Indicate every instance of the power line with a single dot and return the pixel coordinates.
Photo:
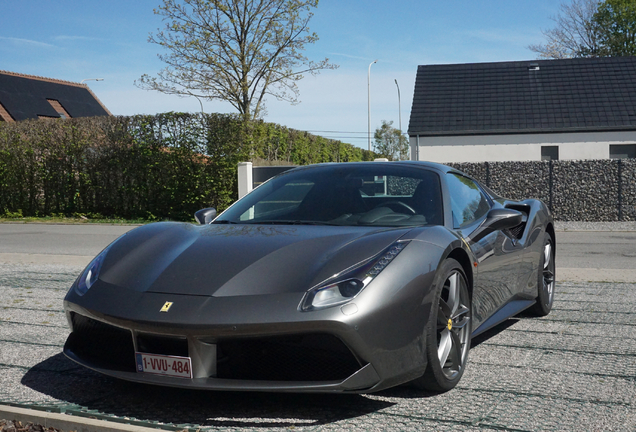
(343, 132)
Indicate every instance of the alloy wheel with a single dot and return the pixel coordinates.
(548, 272)
(453, 325)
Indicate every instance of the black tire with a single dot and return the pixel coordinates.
(545, 279)
(448, 331)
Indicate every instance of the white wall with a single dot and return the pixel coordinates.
(517, 147)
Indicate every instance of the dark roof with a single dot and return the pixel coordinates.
(25, 97)
(597, 94)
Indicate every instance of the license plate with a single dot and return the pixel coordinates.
(164, 365)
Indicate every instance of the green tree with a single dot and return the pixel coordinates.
(237, 51)
(390, 142)
(617, 19)
(591, 28)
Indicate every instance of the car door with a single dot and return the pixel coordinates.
(497, 278)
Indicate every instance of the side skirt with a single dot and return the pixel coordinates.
(509, 310)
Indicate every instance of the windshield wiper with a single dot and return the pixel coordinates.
(224, 222)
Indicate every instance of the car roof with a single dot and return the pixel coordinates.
(419, 164)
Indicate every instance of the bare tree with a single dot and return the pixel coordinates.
(575, 33)
(238, 51)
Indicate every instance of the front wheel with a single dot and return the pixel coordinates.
(448, 330)
(545, 279)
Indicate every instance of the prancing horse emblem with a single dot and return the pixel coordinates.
(166, 307)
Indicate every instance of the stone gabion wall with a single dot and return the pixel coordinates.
(585, 190)
(628, 189)
(579, 190)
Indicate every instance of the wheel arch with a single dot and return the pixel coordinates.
(463, 259)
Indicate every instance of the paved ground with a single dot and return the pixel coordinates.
(573, 370)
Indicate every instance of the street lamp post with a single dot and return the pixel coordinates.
(369, 102)
(399, 106)
(200, 103)
(91, 79)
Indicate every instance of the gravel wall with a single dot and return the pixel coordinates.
(628, 189)
(580, 190)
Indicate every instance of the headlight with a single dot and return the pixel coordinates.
(343, 291)
(90, 274)
(331, 295)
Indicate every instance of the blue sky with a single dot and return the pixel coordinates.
(77, 40)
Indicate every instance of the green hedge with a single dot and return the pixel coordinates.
(162, 166)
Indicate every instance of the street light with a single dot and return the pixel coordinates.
(91, 79)
(369, 103)
(200, 103)
(399, 106)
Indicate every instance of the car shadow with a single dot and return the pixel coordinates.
(494, 331)
(406, 391)
(86, 390)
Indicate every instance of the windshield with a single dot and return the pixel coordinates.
(377, 194)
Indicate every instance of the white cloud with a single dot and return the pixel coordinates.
(19, 41)
(78, 38)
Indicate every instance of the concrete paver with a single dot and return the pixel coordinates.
(571, 370)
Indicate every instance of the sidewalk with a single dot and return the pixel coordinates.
(595, 226)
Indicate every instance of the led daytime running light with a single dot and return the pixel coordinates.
(385, 260)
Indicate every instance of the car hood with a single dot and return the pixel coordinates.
(234, 260)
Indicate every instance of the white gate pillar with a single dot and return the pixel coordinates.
(245, 181)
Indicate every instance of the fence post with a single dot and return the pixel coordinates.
(551, 181)
(620, 190)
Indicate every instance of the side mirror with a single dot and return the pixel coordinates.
(205, 216)
(497, 219)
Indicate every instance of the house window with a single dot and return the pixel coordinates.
(622, 151)
(57, 106)
(549, 153)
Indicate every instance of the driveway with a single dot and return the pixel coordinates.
(572, 370)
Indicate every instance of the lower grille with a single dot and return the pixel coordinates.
(101, 345)
(166, 345)
(318, 357)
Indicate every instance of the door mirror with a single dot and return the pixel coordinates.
(205, 216)
(496, 220)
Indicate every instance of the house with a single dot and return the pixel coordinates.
(30, 97)
(525, 110)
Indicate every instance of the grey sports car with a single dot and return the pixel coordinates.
(349, 277)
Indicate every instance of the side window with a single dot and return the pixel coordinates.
(468, 203)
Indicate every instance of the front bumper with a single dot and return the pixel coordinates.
(313, 362)
(257, 343)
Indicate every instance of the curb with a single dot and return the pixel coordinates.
(66, 422)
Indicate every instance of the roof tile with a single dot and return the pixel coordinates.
(562, 95)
